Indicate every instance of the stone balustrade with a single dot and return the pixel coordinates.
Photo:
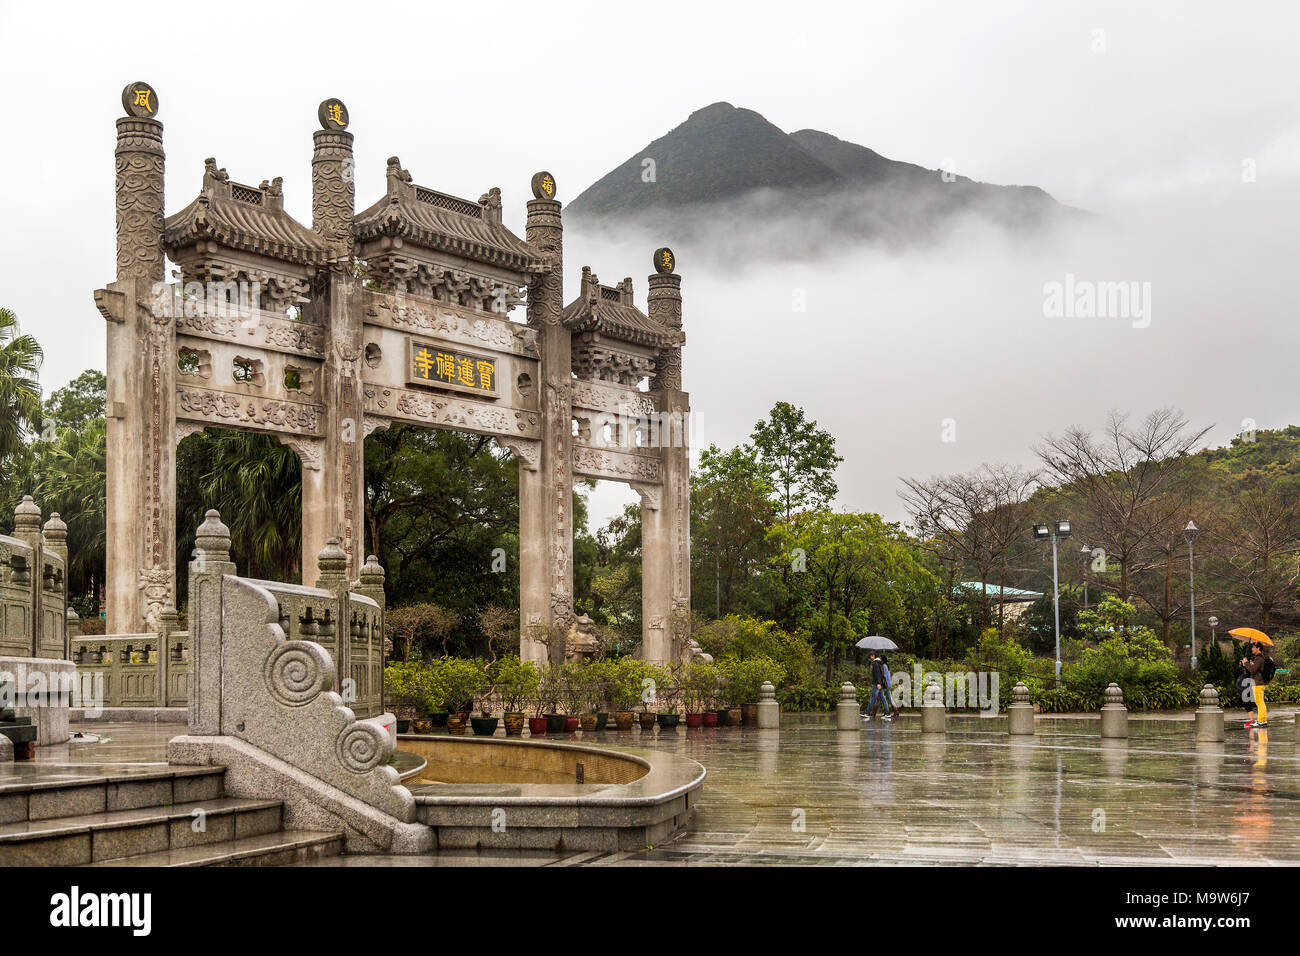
(264, 698)
(134, 670)
(33, 585)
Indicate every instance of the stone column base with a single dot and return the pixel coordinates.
(934, 719)
(42, 689)
(1020, 719)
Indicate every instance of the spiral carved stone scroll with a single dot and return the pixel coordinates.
(297, 672)
(361, 747)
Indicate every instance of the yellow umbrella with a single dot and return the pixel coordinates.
(1250, 634)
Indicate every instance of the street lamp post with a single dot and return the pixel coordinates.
(1085, 558)
(1190, 533)
(1056, 532)
(1214, 622)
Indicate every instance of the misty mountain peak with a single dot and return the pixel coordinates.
(723, 154)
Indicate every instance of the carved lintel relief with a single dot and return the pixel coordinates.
(604, 398)
(444, 411)
(258, 329)
(616, 465)
(224, 408)
(651, 495)
(408, 314)
(373, 424)
(527, 450)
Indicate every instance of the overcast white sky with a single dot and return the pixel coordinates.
(1152, 132)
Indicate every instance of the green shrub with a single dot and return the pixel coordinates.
(743, 678)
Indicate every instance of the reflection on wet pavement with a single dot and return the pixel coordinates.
(885, 794)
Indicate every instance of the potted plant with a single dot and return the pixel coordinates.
(624, 691)
(550, 688)
(397, 684)
(670, 694)
(700, 684)
(461, 680)
(517, 682)
(484, 725)
(743, 680)
(537, 722)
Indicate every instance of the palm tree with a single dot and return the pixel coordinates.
(20, 392)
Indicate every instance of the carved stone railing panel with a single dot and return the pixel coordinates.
(125, 670)
(279, 695)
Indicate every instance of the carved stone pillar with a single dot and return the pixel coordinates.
(27, 529)
(141, 442)
(333, 486)
(666, 546)
(333, 186)
(332, 562)
(211, 562)
(546, 495)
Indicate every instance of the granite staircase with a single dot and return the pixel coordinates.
(171, 816)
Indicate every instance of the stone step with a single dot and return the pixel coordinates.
(113, 834)
(35, 792)
(282, 848)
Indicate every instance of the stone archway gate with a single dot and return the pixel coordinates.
(277, 328)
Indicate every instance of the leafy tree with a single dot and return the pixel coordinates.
(20, 392)
(731, 512)
(800, 458)
(856, 569)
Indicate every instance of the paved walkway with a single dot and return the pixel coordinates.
(886, 794)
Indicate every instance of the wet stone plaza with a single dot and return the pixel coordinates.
(808, 794)
(886, 794)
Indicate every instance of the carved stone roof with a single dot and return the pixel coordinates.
(609, 310)
(243, 217)
(435, 220)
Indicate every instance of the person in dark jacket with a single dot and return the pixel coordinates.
(877, 685)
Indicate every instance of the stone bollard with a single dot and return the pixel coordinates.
(1020, 715)
(1209, 716)
(846, 711)
(934, 718)
(769, 711)
(1114, 715)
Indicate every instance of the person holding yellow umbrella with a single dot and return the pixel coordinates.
(1259, 666)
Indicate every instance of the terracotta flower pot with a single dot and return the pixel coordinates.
(695, 720)
(537, 726)
(733, 717)
(455, 725)
(710, 718)
(749, 714)
(571, 724)
(647, 719)
(515, 724)
(623, 719)
(422, 725)
(587, 722)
